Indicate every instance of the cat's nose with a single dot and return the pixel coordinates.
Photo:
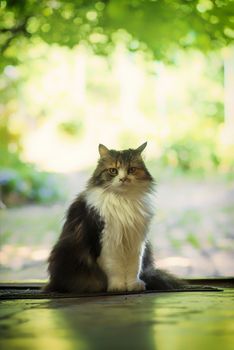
(123, 179)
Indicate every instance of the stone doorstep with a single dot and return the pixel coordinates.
(227, 282)
(32, 290)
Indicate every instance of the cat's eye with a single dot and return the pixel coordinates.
(113, 171)
(132, 170)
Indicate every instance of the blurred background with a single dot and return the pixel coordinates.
(74, 74)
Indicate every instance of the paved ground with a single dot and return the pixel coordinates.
(193, 230)
(164, 321)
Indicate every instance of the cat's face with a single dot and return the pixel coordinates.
(121, 171)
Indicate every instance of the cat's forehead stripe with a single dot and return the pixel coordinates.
(122, 159)
(125, 156)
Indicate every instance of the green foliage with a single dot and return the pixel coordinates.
(186, 154)
(176, 243)
(21, 182)
(73, 128)
(193, 240)
(158, 26)
(193, 151)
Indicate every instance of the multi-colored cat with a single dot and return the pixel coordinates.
(103, 245)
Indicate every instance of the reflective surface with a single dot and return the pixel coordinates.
(155, 321)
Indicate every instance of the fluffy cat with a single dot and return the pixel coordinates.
(103, 245)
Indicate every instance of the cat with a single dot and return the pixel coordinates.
(103, 245)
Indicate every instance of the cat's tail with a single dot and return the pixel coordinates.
(156, 279)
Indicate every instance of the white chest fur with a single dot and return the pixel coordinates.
(126, 220)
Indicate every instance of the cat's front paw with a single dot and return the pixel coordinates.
(116, 286)
(136, 286)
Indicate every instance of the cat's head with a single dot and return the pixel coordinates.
(121, 171)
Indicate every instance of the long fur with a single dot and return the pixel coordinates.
(103, 245)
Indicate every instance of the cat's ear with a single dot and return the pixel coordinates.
(141, 148)
(103, 150)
